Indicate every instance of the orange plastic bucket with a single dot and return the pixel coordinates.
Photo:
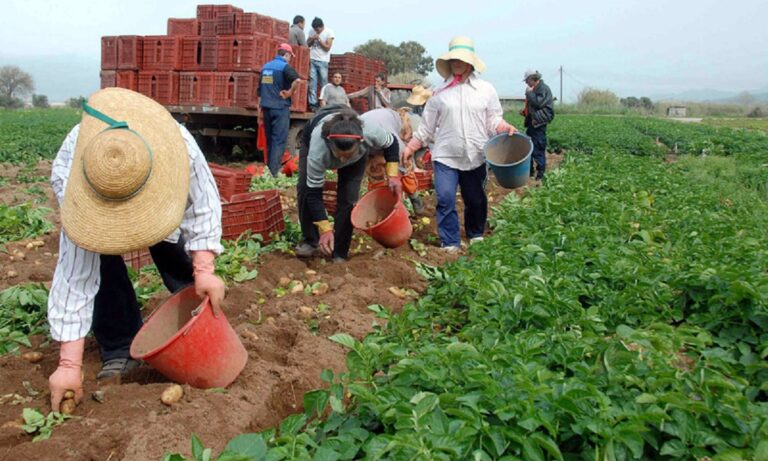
(187, 344)
(382, 215)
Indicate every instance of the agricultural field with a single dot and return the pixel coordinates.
(742, 122)
(617, 311)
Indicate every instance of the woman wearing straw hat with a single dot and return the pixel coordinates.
(418, 98)
(462, 114)
(127, 177)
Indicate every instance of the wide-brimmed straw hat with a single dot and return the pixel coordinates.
(463, 49)
(129, 182)
(419, 95)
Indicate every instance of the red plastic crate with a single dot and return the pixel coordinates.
(423, 180)
(108, 78)
(265, 25)
(246, 86)
(162, 86)
(183, 27)
(108, 53)
(199, 53)
(128, 79)
(207, 27)
(162, 52)
(241, 52)
(301, 61)
(138, 259)
(280, 30)
(223, 89)
(329, 196)
(248, 24)
(130, 50)
(258, 212)
(213, 11)
(230, 181)
(196, 88)
(225, 24)
(299, 98)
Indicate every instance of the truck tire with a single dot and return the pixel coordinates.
(294, 136)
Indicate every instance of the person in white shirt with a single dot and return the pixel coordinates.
(462, 114)
(127, 177)
(320, 41)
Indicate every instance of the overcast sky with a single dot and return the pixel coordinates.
(632, 47)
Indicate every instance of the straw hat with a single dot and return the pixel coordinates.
(463, 49)
(129, 182)
(419, 95)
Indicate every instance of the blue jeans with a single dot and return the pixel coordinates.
(276, 124)
(316, 68)
(473, 195)
(539, 138)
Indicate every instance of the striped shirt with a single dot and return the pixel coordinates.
(460, 120)
(76, 279)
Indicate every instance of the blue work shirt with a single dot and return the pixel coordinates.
(276, 75)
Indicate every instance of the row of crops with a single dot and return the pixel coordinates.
(617, 313)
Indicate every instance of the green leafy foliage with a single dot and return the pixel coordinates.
(23, 221)
(23, 311)
(27, 136)
(40, 425)
(268, 182)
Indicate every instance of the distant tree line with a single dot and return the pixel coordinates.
(408, 57)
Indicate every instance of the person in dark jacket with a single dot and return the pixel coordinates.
(276, 86)
(539, 111)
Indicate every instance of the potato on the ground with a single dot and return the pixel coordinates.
(32, 357)
(172, 394)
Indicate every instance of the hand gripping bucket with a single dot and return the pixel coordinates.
(187, 344)
(510, 159)
(382, 215)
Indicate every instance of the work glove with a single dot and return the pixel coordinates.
(326, 242)
(206, 283)
(68, 376)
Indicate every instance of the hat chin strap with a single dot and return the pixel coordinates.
(115, 125)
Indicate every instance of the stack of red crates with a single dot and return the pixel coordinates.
(213, 59)
(258, 212)
(358, 72)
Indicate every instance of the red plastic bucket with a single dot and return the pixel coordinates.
(382, 216)
(187, 344)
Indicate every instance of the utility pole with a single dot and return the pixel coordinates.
(561, 84)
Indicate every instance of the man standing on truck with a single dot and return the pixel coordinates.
(296, 33)
(539, 110)
(277, 83)
(333, 93)
(320, 41)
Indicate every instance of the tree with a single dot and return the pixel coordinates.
(75, 103)
(598, 98)
(407, 57)
(630, 102)
(646, 103)
(40, 100)
(15, 83)
(10, 103)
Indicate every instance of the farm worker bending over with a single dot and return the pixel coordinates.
(403, 123)
(463, 113)
(336, 138)
(127, 177)
(277, 84)
(539, 110)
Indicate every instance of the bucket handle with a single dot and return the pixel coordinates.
(197, 311)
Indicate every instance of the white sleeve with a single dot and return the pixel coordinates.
(494, 114)
(201, 225)
(73, 290)
(322, 91)
(62, 164)
(426, 131)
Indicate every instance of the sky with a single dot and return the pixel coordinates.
(655, 48)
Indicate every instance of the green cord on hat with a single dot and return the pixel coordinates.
(465, 47)
(114, 125)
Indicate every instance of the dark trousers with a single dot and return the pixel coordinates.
(347, 193)
(276, 124)
(539, 138)
(116, 312)
(447, 179)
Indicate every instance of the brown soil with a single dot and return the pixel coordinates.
(285, 336)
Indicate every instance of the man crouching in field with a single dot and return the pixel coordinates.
(127, 177)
